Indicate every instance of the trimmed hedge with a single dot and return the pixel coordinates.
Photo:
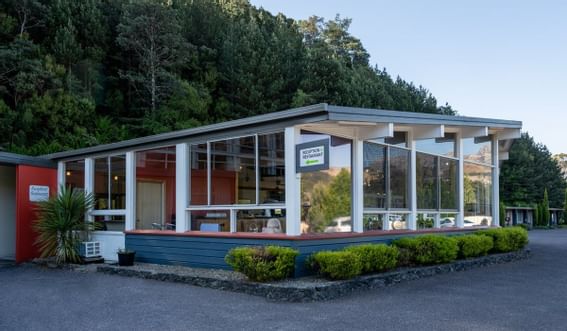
(376, 257)
(473, 246)
(429, 249)
(336, 264)
(506, 239)
(263, 264)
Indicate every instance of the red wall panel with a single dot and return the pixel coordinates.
(26, 210)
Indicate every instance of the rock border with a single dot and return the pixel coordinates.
(307, 289)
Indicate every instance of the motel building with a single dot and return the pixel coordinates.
(312, 178)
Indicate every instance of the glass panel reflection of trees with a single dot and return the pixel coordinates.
(386, 169)
(478, 194)
(326, 194)
(427, 181)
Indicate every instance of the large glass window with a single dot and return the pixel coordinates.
(478, 194)
(199, 175)
(155, 189)
(440, 146)
(374, 176)
(110, 182)
(426, 181)
(385, 166)
(233, 171)
(478, 149)
(326, 195)
(272, 168)
(75, 174)
(399, 178)
(448, 179)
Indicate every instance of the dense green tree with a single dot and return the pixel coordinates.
(528, 173)
(152, 66)
(151, 33)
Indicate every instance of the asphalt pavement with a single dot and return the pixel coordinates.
(523, 295)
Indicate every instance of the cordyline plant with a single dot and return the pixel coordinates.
(61, 224)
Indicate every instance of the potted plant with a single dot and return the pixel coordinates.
(126, 257)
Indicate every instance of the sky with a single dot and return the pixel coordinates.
(486, 58)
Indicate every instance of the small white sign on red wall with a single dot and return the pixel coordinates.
(39, 193)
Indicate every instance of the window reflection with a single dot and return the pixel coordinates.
(199, 174)
(110, 182)
(326, 195)
(374, 175)
(478, 149)
(448, 171)
(75, 174)
(444, 146)
(233, 171)
(478, 194)
(399, 178)
(272, 168)
(427, 184)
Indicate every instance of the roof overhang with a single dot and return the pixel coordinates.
(12, 159)
(361, 122)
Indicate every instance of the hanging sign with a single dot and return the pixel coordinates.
(312, 156)
(39, 193)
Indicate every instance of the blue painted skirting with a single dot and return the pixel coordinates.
(209, 252)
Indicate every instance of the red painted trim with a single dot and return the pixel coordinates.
(278, 236)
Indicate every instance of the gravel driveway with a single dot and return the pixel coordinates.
(524, 295)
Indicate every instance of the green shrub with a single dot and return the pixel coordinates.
(375, 257)
(473, 246)
(263, 264)
(336, 264)
(430, 249)
(506, 239)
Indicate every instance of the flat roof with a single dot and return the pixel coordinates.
(17, 159)
(308, 114)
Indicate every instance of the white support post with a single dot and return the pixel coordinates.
(292, 184)
(437, 221)
(495, 183)
(412, 217)
(357, 186)
(130, 223)
(182, 186)
(386, 222)
(461, 182)
(61, 171)
(233, 225)
(89, 182)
